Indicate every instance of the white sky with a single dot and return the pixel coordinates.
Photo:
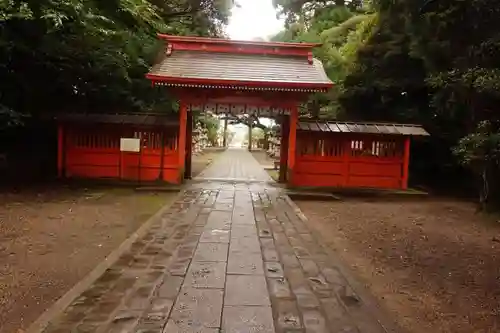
(254, 18)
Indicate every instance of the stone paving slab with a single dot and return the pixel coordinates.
(211, 252)
(225, 257)
(245, 263)
(215, 236)
(247, 319)
(198, 308)
(206, 275)
(246, 290)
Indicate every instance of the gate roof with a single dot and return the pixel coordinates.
(198, 62)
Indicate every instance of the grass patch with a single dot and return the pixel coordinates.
(274, 174)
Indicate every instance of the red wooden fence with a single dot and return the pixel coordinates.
(94, 152)
(350, 160)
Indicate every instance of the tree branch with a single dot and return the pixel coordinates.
(246, 120)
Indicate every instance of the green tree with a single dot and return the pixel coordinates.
(301, 10)
(70, 55)
(212, 124)
(480, 151)
(384, 82)
(332, 24)
(418, 65)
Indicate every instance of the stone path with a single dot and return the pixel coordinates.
(226, 257)
(235, 165)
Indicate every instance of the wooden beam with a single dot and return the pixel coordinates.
(255, 50)
(226, 96)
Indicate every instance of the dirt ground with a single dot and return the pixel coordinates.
(433, 264)
(50, 238)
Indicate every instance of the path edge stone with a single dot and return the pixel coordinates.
(64, 301)
(379, 314)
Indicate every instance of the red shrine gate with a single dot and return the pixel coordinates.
(238, 77)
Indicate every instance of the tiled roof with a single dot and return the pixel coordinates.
(241, 70)
(372, 128)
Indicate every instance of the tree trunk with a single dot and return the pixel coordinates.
(249, 137)
(266, 141)
(224, 139)
(484, 189)
(315, 109)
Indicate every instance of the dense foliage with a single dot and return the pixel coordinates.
(433, 62)
(70, 55)
(333, 24)
(59, 56)
(212, 124)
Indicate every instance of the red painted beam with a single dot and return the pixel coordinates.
(243, 49)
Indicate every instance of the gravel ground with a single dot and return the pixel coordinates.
(434, 264)
(51, 238)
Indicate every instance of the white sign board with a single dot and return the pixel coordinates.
(130, 144)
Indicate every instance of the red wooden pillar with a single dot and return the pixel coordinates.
(60, 151)
(292, 142)
(406, 164)
(182, 139)
(189, 145)
(285, 130)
